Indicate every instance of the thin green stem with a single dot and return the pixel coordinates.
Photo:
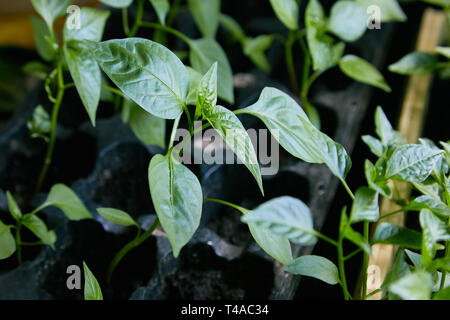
(174, 132)
(130, 246)
(167, 29)
(229, 204)
(341, 267)
(114, 90)
(347, 188)
(373, 293)
(392, 213)
(18, 244)
(125, 24)
(365, 262)
(290, 61)
(351, 255)
(138, 20)
(444, 272)
(54, 121)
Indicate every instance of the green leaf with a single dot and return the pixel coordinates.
(415, 258)
(357, 239)
(7, 241)
(204, 52)
(194, 80)
(384, 130)
(372, 177)
(92, 24)
(433, 231)
(230, 128)
(348, 20)
(206, 16)
(362, 71)
(287, 217)
(390, 10)
(62, 197)
(86, 75)
(117, 3)
(254, 48)
(391, 234)
(441, 264)
(399, 269)
(418, 63)
(412, 162)
(444, 51)
(161, 7)
(315, 266)
(290, 126)
(14, 209)
(287, 12)
(44, 44)
(325, 54)
(233, 27)
(147, 72)
(92, 290)
(147, 128)
(207, 92)
(38, 227)
(430, 203)
(117, 216)
(414, 286)
(365, 206)
(428, 187)
(177, 197)
(442, 3)
(374, 145)
(37, 69)
(50, 10)
(443, 294)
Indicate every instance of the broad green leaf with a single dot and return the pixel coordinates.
(415, 258)
(117, 216)
(254, 48)
(365, 206)
(415, 63)
(387, 233)
(428, 187)
(315, 266)
(384, 130)
(86, 75)
(206, 16)
(117, 3)
(289, 124)
(430, 203)
(7, 241)
(37, 69)
(390, 10)
(64, 198)
(204, 52)
(441, 264)
(14, 209)
(287, 12)
(287, 217)
(441, 167)
(44, 44)
(443, 294)
(233, 27)
(161, 7)
(38, 227)
(324, 52)
(372, 177)
(374, 145)
(348, 20)
(207, 92)
(433, 230)
(399, 269)
(50, 10)
(447, 151)
(414, 286)
(362, 71)
(147, 72)
(147, 128)
(346, 230)
(230, 128)
(194, 80)
(92, 290)
(177, 198)
(444, 51)
(92, 24)
(412, 162)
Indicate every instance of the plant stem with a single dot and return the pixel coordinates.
(347, 188)
(54, 121)
(138, 21)
(290, 61)
(128, 247)
(341, 266)
(170, 30)
(174, 131)
(18, 244)
(351, 255)
(391, 213)
(444, 272)
(125, 24)
(365, 262)
(114, 90)
(229, 204)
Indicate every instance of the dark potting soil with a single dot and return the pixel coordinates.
(204, 275)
